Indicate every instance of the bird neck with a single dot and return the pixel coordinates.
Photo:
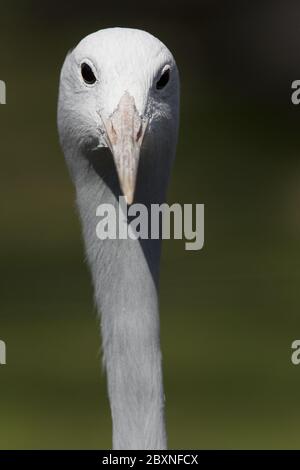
(125, 276)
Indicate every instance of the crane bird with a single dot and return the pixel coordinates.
(118, 120)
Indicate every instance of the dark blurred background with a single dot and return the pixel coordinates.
(230, 312)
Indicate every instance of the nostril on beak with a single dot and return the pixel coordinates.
(139, 132)
(143, 123)
(112, 133)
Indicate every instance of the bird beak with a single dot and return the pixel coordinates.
(125, 131)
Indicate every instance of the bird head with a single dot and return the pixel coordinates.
(119, 88)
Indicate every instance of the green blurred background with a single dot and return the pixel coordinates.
(230, 312)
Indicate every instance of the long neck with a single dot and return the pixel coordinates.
(125, 276)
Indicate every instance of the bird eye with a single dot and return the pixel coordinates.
(87, 74)
(161, 83)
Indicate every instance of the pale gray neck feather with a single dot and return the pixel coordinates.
(125, 276)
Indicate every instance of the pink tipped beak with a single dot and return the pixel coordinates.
(125, 131)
